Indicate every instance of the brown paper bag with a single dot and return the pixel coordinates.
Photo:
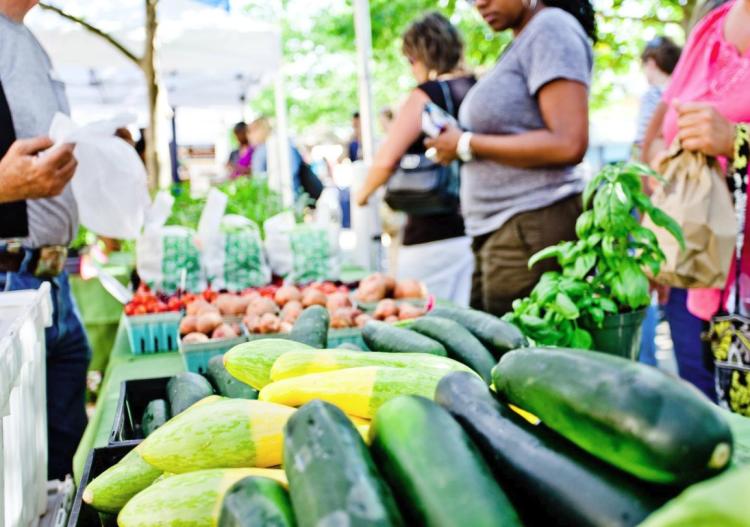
(696, 195)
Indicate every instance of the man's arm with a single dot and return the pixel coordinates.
(24, 175)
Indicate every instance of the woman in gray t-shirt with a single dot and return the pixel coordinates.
(525, 129)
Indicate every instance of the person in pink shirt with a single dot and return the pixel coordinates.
(707, 97)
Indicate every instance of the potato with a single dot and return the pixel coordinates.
(390, 286)
(343, 317)
(409, 289)
(361, 320)
(194, 338)
(226, 303)
(286, 294)
(188, 324)
(337, 300)
(391, 320)
(252, 323)
(208, 308)
(195, 306)
(372, 288)
(385, 308)
(291, 311)
(241, 303)
(261, 306)
(207, 322)
(286, 327)
(407, 311)
(312, 297)
(270, 323)
(223, 331)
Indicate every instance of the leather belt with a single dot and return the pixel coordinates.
(45, 262)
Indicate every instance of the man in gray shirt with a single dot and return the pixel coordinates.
(34, 94)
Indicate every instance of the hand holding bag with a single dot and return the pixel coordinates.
(729, 335)
(422, 187)
(696, 196)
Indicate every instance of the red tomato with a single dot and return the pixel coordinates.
(174, 304)
(140, 310)
(130, 310)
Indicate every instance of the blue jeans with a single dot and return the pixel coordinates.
(68, 355)
(690, 351)
(648, 344)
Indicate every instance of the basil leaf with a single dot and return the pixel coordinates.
(608, 305)
(554, 251)
(584, 223)
(583, 265)
(581, 339)
(634, 285)
(662, 219)
(566, 307)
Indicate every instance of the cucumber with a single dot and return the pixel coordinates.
(225, 384)
(229, 433)
(635, 417)
(460, 343)
(380, 336)
(111, 490)
(187, 500)
(437, 474)
(497, 335)
(155, 414)
(332, 478)
(350, 346)
(311, 327)
(549, 480)
(185, 389)
(254, 502)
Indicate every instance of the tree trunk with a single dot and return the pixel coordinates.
(152, 82)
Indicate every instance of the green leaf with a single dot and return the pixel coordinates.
(581, 339)
(566, 307)
(597, 315)
(612, 206)
(592, 187)
(574, 288)
(584, 223)
(634, 285)
(583, 265)
(662, 219)
(533, 322)
(593, 240)
(554, 251)
(608, 305)
(545, 291)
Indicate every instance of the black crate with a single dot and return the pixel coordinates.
(99, 460)
(134, 396)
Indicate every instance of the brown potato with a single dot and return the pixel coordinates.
(270, 323)
(188, 324)
(409, 289)
(407, 311)
(385, 308)
(195, 306)
(194, 338)
(372, 288)
(252, 323)
(336, 301)
(226, 303)
(312, 297)
(207, 322)
(291, 311)
(391, 320)
(223, 331)
(343, 318)
(286, 327)
(286, 294)
(361, 320)
(261, 306)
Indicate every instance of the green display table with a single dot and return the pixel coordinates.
(99, 310)
(123, 365)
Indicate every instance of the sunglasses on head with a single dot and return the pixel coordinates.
(655, 43)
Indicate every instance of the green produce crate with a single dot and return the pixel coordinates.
(337, 337)
(154, 333)
(134, 397)
(196, 356)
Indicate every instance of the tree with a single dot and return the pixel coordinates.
(320, 55)
(147, 64)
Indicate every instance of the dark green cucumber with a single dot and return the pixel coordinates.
(332, 478)
(349, 346)
(635, 417)
(155, 415)
(255, 502)
(225, 384)
(437, 474)
(498, 336)
(380, 336)
(549, 480)
(460, 343)
(185, 389)
(311, 327)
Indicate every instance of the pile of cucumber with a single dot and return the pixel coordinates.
(452, 422)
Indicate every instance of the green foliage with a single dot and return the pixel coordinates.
(319, 49)
(603, 271)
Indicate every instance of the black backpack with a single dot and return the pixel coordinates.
(14, 221)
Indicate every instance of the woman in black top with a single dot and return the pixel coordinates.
(436, 249)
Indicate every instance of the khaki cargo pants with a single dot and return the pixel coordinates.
(501, 273)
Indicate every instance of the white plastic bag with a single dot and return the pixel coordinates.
(278, 245)
(110, 184)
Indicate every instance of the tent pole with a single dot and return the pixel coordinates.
(366, 221)
(282, 122)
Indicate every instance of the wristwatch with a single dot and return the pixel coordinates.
(463, 149)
